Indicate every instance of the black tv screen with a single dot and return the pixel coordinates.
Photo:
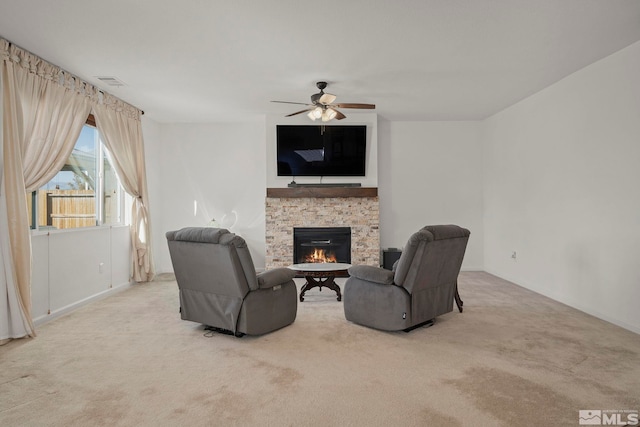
(321, 150)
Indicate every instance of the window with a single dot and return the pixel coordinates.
(85, 193)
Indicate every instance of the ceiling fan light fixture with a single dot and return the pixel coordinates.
(311, 115)
(329, 114)
(327, 98)
(317, 112)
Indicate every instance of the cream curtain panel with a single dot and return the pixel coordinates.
(14, 322)
(121, 130)
(43, 111)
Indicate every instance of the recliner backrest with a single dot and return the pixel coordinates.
(212, 258)
(432, 257)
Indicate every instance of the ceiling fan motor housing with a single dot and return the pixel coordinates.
(321, 98)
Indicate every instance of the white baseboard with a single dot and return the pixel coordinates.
(69, 308)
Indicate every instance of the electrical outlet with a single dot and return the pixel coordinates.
(101, 267)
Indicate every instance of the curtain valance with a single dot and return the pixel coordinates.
(45, 70)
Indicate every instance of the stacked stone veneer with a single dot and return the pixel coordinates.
(359, 213)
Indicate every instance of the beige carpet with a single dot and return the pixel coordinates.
(513, 358)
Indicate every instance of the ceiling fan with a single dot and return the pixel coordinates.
(322, 106)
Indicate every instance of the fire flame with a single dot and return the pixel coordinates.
(319, 255)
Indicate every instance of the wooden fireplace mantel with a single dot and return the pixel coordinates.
(297, 192)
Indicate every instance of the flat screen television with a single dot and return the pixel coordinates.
(321, 150)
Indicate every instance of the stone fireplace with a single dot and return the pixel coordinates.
(319, 207)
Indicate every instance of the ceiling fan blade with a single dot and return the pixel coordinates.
(299, 112)
(352, 105)
(339, 115)
(287, 102)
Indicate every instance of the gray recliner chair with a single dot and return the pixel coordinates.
(422, 285)
(219, 287)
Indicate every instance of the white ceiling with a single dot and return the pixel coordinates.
(212, 60)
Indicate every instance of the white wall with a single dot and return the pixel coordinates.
(72, 267)
(561, 181)
(427, 173)
(221, 168)
(430, 173)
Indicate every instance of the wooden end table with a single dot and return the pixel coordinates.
(319, 275)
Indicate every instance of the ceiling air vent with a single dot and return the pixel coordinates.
(111, 81)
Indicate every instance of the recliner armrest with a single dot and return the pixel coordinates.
(372, 274)
(274, 277)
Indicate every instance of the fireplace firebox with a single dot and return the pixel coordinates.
(321, 244)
